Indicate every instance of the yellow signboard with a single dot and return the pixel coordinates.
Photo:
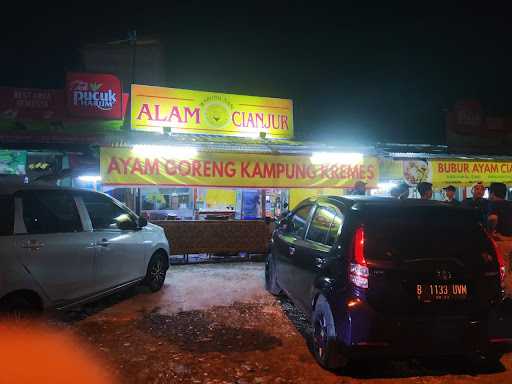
(459, 172)
(130, 167)
(157, 109)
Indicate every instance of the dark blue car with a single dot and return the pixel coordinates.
(387, 277)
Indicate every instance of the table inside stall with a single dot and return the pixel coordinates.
(216, 236)
(216, 214)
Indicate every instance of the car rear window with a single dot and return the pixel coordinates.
(7, 216)
(413, 232)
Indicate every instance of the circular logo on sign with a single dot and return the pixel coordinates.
(416, 171)
(216, 114)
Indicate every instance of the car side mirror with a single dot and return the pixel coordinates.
(142, 222)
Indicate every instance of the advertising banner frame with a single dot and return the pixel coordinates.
(160, 109)
(469, 172)
(121, 167)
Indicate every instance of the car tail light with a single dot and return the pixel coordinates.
(358, 268)
(500, 259)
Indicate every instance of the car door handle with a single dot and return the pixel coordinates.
(33, 245)
(291, 251)
(103, 243)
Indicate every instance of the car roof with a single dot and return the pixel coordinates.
(360, 202)
(11, 189)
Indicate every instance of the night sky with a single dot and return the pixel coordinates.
(356, 74)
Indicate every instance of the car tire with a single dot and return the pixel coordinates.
(325, 344)
(157, 269)
(493, 358)
(486, 361)
(18, 307)
(271, 283)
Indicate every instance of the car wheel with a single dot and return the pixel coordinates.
(486, 361)
(325, 345)
(493, 358)
(18, 307)
(155, 275)
(271, 277)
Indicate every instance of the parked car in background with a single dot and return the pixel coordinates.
(387, 277)
(60, 247)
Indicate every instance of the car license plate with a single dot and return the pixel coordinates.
(427, 293)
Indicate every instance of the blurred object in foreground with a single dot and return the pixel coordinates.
(36, 354)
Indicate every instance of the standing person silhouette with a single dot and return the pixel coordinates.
(499, 221)
(477, 201)
(359, 188)
(425, 190)
(449, 192)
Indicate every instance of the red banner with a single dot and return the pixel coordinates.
(94, 95)
(468, 128)
(31, 104)
(469, 117)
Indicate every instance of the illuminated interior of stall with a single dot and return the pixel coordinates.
(217, 198)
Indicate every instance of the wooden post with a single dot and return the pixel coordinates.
(194, 206)
(263, 204)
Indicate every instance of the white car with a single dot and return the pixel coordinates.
(60, 247)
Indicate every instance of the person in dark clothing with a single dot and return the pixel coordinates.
(500, 227)
(500, 210)
(478, 201)
(395, 192)
(400, 192)
(285, 211)
(359, 188)
(403, 189)
(425, 190)
(449, 192)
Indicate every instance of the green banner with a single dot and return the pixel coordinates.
(12, 162)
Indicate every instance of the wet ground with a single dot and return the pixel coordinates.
(215, 323)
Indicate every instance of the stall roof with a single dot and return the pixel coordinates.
(282, 146)
(64, 141)
(428, 151)
(241, 144)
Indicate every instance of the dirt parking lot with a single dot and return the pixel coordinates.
(215, 323)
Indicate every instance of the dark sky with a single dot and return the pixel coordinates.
(356, 74)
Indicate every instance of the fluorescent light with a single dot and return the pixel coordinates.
(176, 152)
(89, 179)
(336, 158)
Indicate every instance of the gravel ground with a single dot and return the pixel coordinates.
(215, 323)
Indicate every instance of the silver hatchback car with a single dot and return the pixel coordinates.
(60, 247)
